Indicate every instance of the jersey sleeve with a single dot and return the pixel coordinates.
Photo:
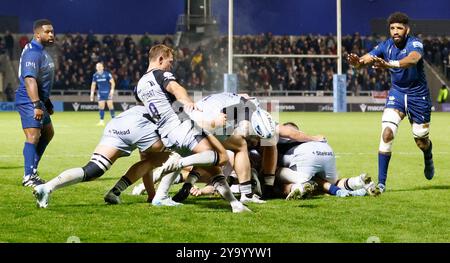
(377, 51)
(415, 45)
(109, 76)
(163, 78)
(30, 64)
(94, 79)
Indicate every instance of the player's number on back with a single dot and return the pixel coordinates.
(154, 112)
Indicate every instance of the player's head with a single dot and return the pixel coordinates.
(99, 67)
(263, 124)
(398, 27)
(43, 32)
(161, 56)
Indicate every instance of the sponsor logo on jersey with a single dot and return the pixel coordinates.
(30, 64)
(417, 44)
(320, 153)
(169, 75)
(118, 132)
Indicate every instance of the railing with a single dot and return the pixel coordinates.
(275, 93)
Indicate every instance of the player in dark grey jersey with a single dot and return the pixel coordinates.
(165, 101)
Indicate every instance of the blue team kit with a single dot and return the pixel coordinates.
(103, 84)
(35, 62)
(409, 93)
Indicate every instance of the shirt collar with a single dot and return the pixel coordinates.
(37, 44)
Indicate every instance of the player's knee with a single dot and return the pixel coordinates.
(388, 135)
(33, 137)
(389, 126)
(387, 138)
(96, 167)
(420, 131)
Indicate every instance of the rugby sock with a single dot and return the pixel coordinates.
(268, 189)
(206, 158)
(246, 189)
(383, 164)
(269, 179)
(112, 113)
(66, 178)
(163, 189)
(29, 154)
(353, 183)
(179, 179)
(428, 154)
(102, 114)
(333, 189)
(221, 186)
(40, 149)
(192, 177)
(121, 185)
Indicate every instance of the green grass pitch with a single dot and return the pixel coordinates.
(412, 210)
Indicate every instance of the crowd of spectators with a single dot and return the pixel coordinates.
(202, 68)
(124, 58)
(437, 52)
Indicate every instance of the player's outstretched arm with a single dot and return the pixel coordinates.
(359, 62)
(406, 62)
(182, 96)
(286, 131)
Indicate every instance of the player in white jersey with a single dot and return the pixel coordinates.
(268, 155)
(236, 110)
(315, 161)
(165, 101)
(129, 130)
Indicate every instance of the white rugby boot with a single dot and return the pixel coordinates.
(42, 195)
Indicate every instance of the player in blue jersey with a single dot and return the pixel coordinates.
(402, 55)
(36, 72)
(105, 84)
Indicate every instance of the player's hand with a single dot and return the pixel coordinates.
(221, 120)
(353, 59)
(38, 114)
(320, 138)
(188, 107)
(195, 191)
(245, 96)
(92, 98)
(49, 106)
(379, 63)
(111, 95)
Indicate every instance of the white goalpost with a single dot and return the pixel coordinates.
(339, 79)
